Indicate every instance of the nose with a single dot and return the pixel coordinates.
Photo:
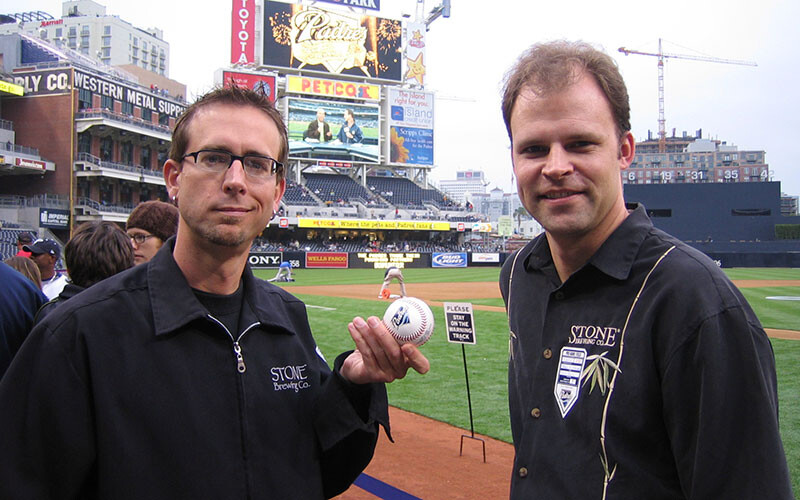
(235, 178)
(558, 163)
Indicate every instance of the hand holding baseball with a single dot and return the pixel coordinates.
(378, 357)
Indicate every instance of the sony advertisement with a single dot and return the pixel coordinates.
(341, 43)
(337, 131)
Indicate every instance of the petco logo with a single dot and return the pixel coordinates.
(450, 260)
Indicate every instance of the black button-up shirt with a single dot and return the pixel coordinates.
(645, 375)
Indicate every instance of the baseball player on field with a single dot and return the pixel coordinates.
(636, 368)
(392, 273)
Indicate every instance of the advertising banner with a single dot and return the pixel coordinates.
(404, 225)
(255, 81)
(243, 32)
(123, 93)
(414, 62)
(313, 39)
(51, 82)
(330, 140)
(326, 259)
(364, 4)
(54, 218)
(10, 88)
(32, 164)
(410, 124)
(383, 260)
(332, 88)
(451, 259)
(264, 260)
(493, 258)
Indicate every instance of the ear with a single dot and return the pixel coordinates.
(627, 150)
(172, 177)
(280, 188)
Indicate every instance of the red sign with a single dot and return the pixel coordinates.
(326, 259)
(461, 227)
(24, 162)
(251, 81)
(243, 29)
(283, 222)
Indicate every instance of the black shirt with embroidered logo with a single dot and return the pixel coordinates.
(644, 375)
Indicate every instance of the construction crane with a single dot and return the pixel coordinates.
(661, 55)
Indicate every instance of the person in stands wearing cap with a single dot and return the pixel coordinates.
(98, 249)
(23, 238)
(45, 253)
(151, 224)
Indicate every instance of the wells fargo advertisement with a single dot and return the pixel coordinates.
(326, 259)
(310, 38)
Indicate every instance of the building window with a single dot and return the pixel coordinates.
(106, 30)
(84, 142)
(59, 32)
(127, 108)
(73, 32)
(85, 29)
(135, 42)
(147, 115)
(107, 102)
(146, 160)
(106, 41)
(163, 119)
(126, 153)
(84, 99)
(107, 149)
(84, 40)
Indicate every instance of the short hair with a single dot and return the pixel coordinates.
(156, 217)
(350, 112)
(97, 250)
(236, 95)
(25, 238)
(27, 267)
(551, 66)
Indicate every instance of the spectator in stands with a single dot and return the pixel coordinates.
(187, 376)
(149, 225)
(19, 301)
(350, 133)
(27, 267)
(23, 238)
(97, 250)
(319, 129)
(45, 253)
(392, 273)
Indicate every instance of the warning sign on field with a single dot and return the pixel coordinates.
(459, 322)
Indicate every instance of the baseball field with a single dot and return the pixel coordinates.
(430, 413)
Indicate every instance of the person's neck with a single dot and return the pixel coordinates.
(570, 252)
(49, 276)
(210, 267)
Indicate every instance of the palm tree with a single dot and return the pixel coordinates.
(519, 213)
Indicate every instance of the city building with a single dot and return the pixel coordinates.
(85, 27)
(82, 142)
(789, 204)
(466, 183)
(692, 159)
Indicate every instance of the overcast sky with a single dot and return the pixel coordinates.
(467, 55)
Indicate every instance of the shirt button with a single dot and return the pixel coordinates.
(559, 295)
(547, 353)
(523, 472)
(536, 413)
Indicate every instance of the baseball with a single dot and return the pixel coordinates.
(409, 320)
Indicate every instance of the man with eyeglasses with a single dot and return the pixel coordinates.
(187, 377)
(149, 225)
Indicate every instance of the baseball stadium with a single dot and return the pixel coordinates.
(83, 141)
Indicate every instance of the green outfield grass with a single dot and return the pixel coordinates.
(441, 394)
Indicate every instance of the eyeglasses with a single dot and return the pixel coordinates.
(255, 166)
(140, 238)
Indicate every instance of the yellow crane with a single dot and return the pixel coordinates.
(661, 55)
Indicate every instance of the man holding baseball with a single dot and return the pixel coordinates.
(636, 368)
(187, 377)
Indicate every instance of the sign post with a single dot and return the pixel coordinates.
(461, 330)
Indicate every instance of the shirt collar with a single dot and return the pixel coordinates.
(616, 255)
(175, 304)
